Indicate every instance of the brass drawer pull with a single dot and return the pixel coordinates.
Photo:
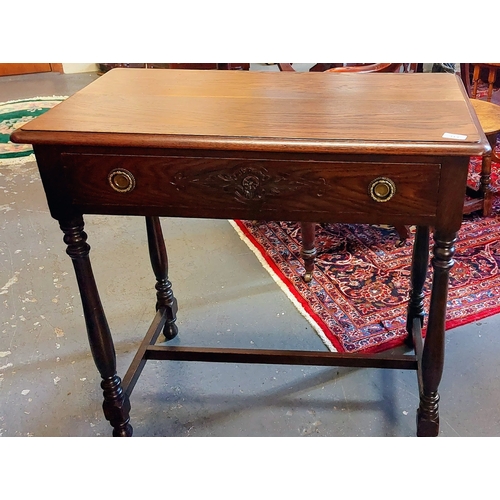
(382, 189)
(121, 180)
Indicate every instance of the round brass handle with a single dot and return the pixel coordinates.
(121, 180)
(382, 189)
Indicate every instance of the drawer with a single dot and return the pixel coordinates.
(252, 188)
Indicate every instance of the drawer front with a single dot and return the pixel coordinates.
(252, 188)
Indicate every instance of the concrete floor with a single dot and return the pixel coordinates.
(50, 386)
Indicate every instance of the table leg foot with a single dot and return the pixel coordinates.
(428, 416)
(308, 277)
(116, 407)
(125, 432)
(170, 331)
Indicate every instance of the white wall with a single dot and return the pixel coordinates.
(79, 67)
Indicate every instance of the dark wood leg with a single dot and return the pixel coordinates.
(420, 264)
(485, 187)
(433, 355)
(116, 404)
(403, 233)
(159, 261)
(308, 251)
(491, 80)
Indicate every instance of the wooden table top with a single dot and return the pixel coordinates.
(266, 111)
(489, 113)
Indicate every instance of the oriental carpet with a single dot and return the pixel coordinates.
(357, 299)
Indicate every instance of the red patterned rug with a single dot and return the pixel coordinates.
(357, 299)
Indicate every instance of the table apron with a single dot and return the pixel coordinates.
(247, 188)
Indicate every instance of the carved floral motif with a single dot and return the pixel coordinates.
(251, 183)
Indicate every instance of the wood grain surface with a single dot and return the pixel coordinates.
(322, 112)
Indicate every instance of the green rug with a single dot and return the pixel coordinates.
(14, 114)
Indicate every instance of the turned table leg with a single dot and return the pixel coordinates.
(116, 404)
(159, 262)
(308, 251)
(433, 354)
(485, 181)
(420, 263)
(484, 187)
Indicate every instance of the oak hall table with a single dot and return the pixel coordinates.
(314, 147)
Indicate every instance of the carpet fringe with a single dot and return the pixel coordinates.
(282, 286)
(42, 98)
(17, 161)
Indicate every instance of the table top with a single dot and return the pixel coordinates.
(266, 111)
(490, 115)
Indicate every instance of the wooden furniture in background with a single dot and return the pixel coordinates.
(11, 69)
(492, 69)
(488, 113)
(268, 146)
(357, 67)
(221, 66)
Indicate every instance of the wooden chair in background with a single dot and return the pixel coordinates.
(488, 114)
(478, 68)
(357, 67)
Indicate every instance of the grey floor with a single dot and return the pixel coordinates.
(49, 385)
